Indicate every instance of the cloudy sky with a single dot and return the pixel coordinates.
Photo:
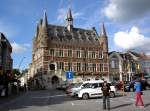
(127, 22)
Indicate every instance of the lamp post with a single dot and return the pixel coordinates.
(19, 71)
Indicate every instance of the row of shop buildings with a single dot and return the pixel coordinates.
(5, 64)
(57, 49)
(128, 65)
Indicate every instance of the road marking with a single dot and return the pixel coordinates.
(58, 95)
(77, 104)
(72, 104)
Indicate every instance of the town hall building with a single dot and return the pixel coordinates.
(57, 49)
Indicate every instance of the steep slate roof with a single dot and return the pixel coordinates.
(119, 53)
(141, 56)
(61, 33)
(122, 55)
(135, 54)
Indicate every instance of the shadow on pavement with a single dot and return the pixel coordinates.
(36, 99)
(146, 105)
(122, 105)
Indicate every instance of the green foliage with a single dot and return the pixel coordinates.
(24, 71)
(75, 74)
(16, 72)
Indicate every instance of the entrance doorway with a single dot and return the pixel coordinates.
(55, 81)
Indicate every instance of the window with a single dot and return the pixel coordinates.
(51, 52)
(85, 54)
(69, 66)
(78, 66)
(93, 55)
(94, 67)
(88, 85)
(61, 53)
(101, 54)
(90, 67)
(101, 68)
(78, 54)
(60, 65)
(89, 54)
(112, 64)
(95, 85)
(69, 53)
(56, 52)
(85, 67)
(52, 66)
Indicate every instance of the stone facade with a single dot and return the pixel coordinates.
(122, 66)
(126, 66)
(143, 61)
(57, 49)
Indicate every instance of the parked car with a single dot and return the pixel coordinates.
(94, 90)
(145, 84)
(62, 87)
(77, 86)
(130, 86)
(69, 87)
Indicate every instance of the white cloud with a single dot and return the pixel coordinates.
(62, 13)
(19, 48)
(132, 40)
(126, 10)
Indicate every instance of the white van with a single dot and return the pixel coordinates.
(93, 89)
(79, 86)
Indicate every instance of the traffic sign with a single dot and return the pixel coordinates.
(69, 75)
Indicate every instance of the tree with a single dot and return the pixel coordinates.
(16, 72)
(24, 71)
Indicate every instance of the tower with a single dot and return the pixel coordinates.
(69, 20)
(103, 38)
(37, 30)
(44, 31)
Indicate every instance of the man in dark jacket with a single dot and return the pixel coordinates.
(106, 89)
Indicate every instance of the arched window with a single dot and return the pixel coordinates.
(52, 66)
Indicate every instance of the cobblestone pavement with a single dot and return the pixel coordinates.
(53, 100)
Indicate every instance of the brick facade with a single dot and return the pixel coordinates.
(83, 51)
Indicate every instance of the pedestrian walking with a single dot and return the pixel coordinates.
(105, 90)
(138, 97)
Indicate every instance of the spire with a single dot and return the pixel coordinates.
(69, 15)
(103, 38)
(69, 20)
(37, 29)
(45, 21)
(103, 32)
(41, 22)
